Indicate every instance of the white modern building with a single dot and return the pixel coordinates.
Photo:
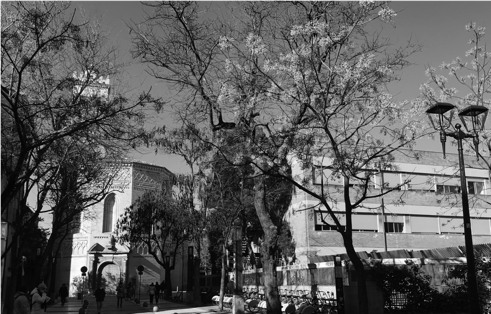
(423, 214)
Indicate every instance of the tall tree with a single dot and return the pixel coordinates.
(229, 193)
(157, 219)
(185, 141)
(295, 85)
(58, 80)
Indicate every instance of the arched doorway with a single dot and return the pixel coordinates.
(109, 274)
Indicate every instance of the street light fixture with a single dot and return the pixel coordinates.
(140, 269)
(83, 270)
(476, 115)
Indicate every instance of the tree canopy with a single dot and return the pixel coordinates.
(59, 80)
(287, 87)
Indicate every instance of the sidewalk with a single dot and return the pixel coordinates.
(130, 307)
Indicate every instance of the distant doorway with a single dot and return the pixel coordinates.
(108, 276)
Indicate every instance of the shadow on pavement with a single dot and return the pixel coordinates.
(109, 307)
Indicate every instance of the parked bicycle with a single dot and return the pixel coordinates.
(129, 293)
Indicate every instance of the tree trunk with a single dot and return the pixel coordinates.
(271, 286)
(269, 243)
(47, 254)
(196, 283)
(360, 273)
(50, 264)
(222, 279)
(168, 284)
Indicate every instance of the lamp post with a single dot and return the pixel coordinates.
(140, 272)
(84, 273)
(238, 306)
(477, 116)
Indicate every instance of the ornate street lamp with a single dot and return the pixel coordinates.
(475, 116)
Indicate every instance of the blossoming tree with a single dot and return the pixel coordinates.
(287, 85)
(468, 82)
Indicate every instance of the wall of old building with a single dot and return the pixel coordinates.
(95, 249)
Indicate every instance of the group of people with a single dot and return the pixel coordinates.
(33, 302)
(100, 295)
(154, 292)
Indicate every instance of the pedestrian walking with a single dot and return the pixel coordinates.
(130, 291)
(21, 301)
(157, 292)
(120, 294)
(162, 288)
(63, 293)
(84, 308)
(99, 294)
(151, 292)
(39, 298)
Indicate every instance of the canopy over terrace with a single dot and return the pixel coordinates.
(441, 253)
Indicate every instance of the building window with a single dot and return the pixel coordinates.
(360, 222)
(324, 227)
(419, 182)
(474, 187)
(451, 225)
(424, 224)
(394, 227)
(321, 226)
(447, 189)
(391, 180)
(364, 223)
(481, 226)
(107, 221)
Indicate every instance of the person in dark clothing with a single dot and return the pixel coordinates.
(162, 288)
(83, 309)
(21, 301)
(120, 294)
(157, 292)
(99, 294)
(63, 292)
(151, 292)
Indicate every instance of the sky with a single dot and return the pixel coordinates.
(438, 26)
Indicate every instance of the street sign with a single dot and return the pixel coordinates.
(140, 269)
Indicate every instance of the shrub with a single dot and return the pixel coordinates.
(406, 280)
(459, 290)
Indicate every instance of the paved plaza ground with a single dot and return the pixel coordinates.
(109, 307)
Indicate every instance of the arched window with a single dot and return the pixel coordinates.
(107, 222)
